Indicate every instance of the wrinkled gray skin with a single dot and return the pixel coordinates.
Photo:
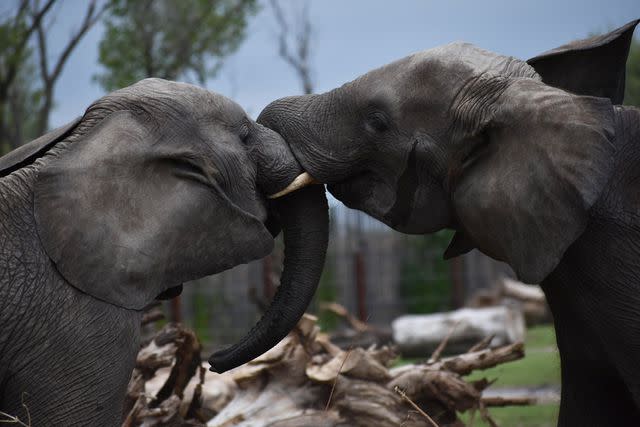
(157, 184)
(531, 162)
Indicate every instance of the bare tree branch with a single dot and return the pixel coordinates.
(12, 59)
(297, 56)
(91, 17)
(13, 65)
(49, 77)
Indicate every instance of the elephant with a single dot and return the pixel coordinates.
(533, 162)
(156, 184)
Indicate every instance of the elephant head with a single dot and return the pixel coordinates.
(161, 183)
(459, 137)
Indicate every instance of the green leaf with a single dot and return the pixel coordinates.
(170, 39)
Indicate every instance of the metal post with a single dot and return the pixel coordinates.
(360, 270)
(175, 308)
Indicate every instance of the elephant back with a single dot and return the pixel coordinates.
(27, 153)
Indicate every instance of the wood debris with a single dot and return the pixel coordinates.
(307, 380)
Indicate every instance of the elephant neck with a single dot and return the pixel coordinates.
(27, 277)
(18, 228)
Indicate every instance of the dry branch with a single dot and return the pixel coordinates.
(435, 356)
(341, 311)
(416, 407)
(306, 380)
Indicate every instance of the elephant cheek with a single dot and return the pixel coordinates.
(366, 193)
(429, 213)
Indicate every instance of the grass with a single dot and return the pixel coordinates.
(519, 416)
(540, 336)
(539, 367)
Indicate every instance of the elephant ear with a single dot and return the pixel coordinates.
(27, 153)
(538, 162)
(593, 66)
(125, 214)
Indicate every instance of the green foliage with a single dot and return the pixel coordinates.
(170, 39)
(425, 277)
(12, 33)
(632, 90)
(19, 98)
(20, 109)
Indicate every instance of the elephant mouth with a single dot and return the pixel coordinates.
(364, 191)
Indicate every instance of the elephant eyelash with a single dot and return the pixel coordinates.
(188, 169)
(243, 132)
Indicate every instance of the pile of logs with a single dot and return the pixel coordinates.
(306, 380)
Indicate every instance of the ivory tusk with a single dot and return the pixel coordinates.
(301, 180)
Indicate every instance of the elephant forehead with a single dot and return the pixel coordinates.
(163, 98)
(460, 58)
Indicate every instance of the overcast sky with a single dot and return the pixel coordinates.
(354, 36)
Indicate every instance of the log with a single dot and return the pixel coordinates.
(522, 291)
(420, 335)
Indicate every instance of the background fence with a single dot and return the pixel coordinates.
(375, 272)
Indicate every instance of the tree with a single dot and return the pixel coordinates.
(15, 91)
(27, 91)
(170, 39)
(632, 90)
(49, 75)
(294, 42)
(22, 107)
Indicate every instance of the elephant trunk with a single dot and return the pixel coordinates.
(305, 222)
(302, 122)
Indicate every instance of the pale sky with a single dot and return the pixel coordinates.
(354, 36)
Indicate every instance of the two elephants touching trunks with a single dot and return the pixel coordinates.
(534, 163)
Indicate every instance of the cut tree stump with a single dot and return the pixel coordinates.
(306, 380)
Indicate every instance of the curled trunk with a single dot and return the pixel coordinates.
(305, 220)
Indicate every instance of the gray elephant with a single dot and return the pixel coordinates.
(157, 184)
(534, 163)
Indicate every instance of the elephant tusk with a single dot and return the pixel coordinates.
(301, 181)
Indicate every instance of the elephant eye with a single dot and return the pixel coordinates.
(187, 169)
(377, 122)
(243, 131)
